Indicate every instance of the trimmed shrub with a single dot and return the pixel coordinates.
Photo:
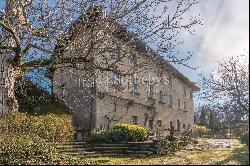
(50, 127)
(130, 133)
(26, 150)
(120, 133)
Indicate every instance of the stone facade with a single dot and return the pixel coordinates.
(156, 97)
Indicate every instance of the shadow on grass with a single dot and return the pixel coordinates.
(241, 156)
(122, 158)
(103, 161)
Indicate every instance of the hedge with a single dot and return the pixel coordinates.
(50, 127)
(26, 150)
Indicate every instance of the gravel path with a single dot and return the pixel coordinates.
(218, 144)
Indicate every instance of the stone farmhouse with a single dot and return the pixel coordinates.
(155, 96)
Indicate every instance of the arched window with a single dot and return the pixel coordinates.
(178, 124)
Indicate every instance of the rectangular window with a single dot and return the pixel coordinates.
(150, 90)
(151, 123)
(170, 100)
(133, 86)
(64, 91)
(2, 72)
(179, 103)
(116, 79)
(184, 91)
(185, 106)
(160, 75)
(132, 60)
(191, 94)
(161, 96)
(170, 81)
(159, 123)
(115, 54)
(134, 120)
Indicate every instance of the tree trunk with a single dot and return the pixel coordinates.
(8, 102)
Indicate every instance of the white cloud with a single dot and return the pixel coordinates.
(225, 33)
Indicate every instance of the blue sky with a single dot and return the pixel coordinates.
(225, 32)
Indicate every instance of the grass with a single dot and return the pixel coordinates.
(239, 156)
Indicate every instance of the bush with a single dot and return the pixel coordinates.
(98, 135)
(245, 139)
(50, 127)
(201, 131)
(130, 133)
(27, 150)
(169, 145)
(120, 133)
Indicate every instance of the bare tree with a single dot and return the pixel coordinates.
(35, 33)
(227, 88)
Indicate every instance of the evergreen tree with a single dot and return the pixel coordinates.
(203, 118)
(211, 124)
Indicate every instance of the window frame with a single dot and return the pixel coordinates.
(184, 91)
(170, 81)
(170, 100)
(161, 96)
(136, 120)
(64, 91)
(150, 90)
(159, 123)
(133, 86)
(179, 103)
(191, 94)
(132, 60)
(151, 123)
(117, 51)
(116, 79)
(185, 106)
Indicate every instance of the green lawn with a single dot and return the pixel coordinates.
(238, 156)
